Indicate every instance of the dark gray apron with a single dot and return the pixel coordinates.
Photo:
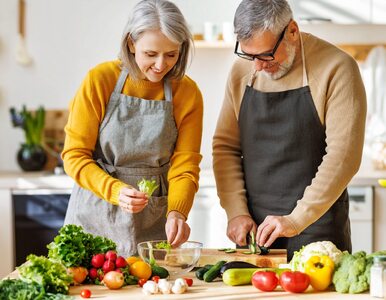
(282, 144)
(136, 140)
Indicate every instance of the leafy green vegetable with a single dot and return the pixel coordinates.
(350, 276)
(163, 245)
(147, 186)
(52, 276)
(17, 289)
(316, 248)
(73, 247)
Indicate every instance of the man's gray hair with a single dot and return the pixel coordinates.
(256, 16)
(157, 15)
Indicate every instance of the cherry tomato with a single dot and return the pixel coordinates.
(141, 282)
(85, 293)
(265, 281)
(189, 281)
(155, 279)
(294, 282)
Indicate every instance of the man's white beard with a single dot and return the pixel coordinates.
(286, 65)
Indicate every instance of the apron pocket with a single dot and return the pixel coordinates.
(154, 214)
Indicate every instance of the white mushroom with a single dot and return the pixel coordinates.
(164, 286)
(150, 287)
(179, 286)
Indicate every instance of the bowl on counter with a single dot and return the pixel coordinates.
(178, 261)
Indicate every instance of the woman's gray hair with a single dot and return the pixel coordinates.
(256, 16)
(157, 15)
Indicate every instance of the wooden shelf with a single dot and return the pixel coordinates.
(359, 52)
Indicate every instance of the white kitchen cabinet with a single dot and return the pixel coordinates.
(380, 219)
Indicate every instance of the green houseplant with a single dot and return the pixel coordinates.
(31, 156)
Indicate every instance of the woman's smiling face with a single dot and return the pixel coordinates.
(155, 54)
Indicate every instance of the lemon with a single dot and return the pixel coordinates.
(382, 182)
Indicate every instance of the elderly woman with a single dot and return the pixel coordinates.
(133, 118)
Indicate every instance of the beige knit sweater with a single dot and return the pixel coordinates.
(340, 100)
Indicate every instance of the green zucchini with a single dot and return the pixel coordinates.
(159, 271)
(238, 276)
(201, 271)
(214, 271)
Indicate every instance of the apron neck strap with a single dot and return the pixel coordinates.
(122, 78)
(121, 81)
(168, 90)
(305, 79)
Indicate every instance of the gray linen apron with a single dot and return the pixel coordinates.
(283, 143)
(136, 140)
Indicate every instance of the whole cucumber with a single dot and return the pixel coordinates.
(214, 271)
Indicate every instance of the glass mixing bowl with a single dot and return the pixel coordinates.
(177, 261)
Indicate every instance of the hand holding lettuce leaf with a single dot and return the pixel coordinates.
(147, 186)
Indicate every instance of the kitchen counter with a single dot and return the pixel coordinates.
(213, 291)
(366, 176)
(34, 180)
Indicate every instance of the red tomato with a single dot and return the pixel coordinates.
(155, 279)
(85, 293)
(265, 281)
(294, 282)
(189, 281)
(141, 282)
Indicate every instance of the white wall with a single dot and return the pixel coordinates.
(67, 37)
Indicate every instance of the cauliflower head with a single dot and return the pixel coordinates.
(317, 248)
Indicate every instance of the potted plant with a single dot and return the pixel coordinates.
(31, 156)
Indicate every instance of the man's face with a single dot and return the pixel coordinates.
(264, 43)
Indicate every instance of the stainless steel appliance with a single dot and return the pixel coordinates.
(38, 214)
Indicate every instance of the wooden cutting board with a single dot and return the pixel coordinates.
(271, 260)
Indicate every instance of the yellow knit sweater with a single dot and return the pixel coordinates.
(340, 101)
(87, 110)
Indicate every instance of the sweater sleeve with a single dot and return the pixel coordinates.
(86, 113)
(183, 174)
(345, 114)
(227, 163)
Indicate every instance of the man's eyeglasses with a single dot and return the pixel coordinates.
(268, 56)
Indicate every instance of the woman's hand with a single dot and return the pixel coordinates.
(177, 230)
(131, 200)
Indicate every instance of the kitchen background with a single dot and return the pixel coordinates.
(65, 38)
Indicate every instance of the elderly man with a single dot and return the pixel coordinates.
(290, 133)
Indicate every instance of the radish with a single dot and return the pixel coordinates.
(93, 273)
(111, 255)
(120, 262)
(97, 260)
(108, 266)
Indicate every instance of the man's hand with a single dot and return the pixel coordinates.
(272, 228)
(131, 200)
(239, 227)
(177, 230)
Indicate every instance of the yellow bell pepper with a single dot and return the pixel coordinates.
(320, 270)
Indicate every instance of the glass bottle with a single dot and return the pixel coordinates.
(377, 277)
